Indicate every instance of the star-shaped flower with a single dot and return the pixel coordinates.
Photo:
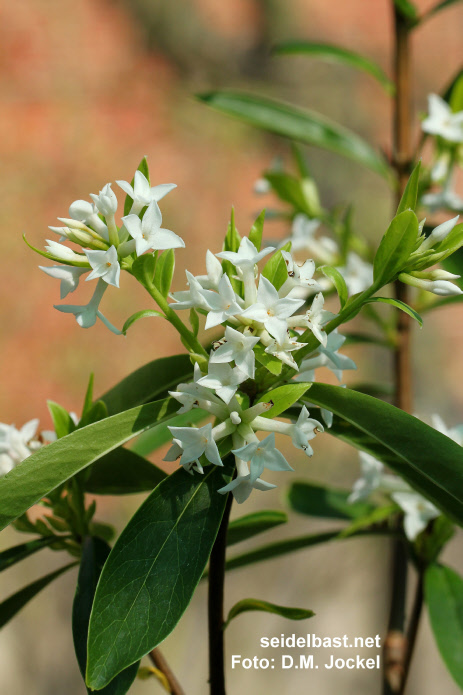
(418, 512)
(149, 234)
(224, 380)
(87, 314)
(271, 310)
(442, 121)
(195, 442)
(105, 201)
(241, 487)
(304, 430)
(247, 255)
(69, 276)
(238, 348)
(262, 455)
(223, 304)
(105, 265)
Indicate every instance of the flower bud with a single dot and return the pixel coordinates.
(442, 288)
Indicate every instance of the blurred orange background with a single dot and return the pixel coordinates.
(89, 87)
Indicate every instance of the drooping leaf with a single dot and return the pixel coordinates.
(444, 599)
(410, 195)
(122, 472)
(152, 571)
(338, 281)
(395, 247)
(148, 383)
(336, 54)
(164, 271)
(143, 167)
(13, 604)
(144, 313)
(94, 554)
(160, 434)
(52, 465)
(283, 397)
(411, 447)
(10, 557)
(291, 122)
(325, 502)
(62, 421)
(252, 524)
(275, 269)
(399, 305)
(257, 230)
(254, 604)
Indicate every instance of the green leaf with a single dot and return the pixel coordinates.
(143, 167)
(148, 383)
(440, 6)
(374, 517)
(144, 267)
(291, 190)
(325, 502)
(272, 363)
(164, 271)
(158, 435)
(152, 571)
(275, 269)
(97, 412)
(254, 604)
(78, 264)
(407, 10)
(297, 124)
(144, 313)
(94, 554)
(399, 305)
(336, 54)
(13, 604)
(232, 238)
(62, 421)
(395, 247)
(412, 448)
(444, 598)
(283, 397)
(251, 524)
(410, 195)
(338, 281)
(88, 400)
(257, 230)
(52, 465)
(10, 557)
(123, 472)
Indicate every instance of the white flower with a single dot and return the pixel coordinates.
(149, 234)
(87, 314)
(304, 430)
(237, 347)
(441, 287)
(69, 276)
(446, 199)
(191, 298)
(222, 304)
(105, 265)
(317, 317)
(271, 310)
(298, 275)
(418, 512)
(327, 356)
(357, 273)
(247, 255)
(214, 273)
(16, 445)
(438, 234)
(262, 186)
(6, 464)
(283, 350)
(370, 479)
(195, 442)
(224, 380)
(63, 253)
(142, 193)
(105, 201)
(442, 121)
(455, 433)
(262, 455)
(86, 212)
(303, 238)
(241, 486)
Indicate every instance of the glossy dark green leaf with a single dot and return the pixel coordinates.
(255, 604)
(62, 422)
(122, 472)
(164, 271)
(398, 305)
(395, 247)
(338, 281)
(291, 122)
(158, 435)
(335, 54)
(152, 571)
(275, 269)
(431, 462)
(410, 195)
(283, 397)
(148, 383)
(143, 167)
(11, 606)
(52, 465)
(94, 554)
(257, 230)
(325, 502)
(444, 598)
(10, 557)
(252, 524)
(144, 313)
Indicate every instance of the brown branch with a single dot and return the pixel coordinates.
(412, 631)
(159, 661)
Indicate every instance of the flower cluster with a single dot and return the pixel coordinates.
(418, 511)
(16, 445)
(105, 248)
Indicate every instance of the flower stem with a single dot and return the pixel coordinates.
(159, 661)
(215, 606)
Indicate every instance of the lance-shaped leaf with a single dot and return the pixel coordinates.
(143, 314)
(395, 248)
(444, 598)
(257, 230)
(428, 460)
(321, 501)
(164, 271)
(283, 397)
(335, 54)
(252, 524)
(152, 571)
(10, 557)
(275, 269)
(338, 281)
(148, 383)
(297, 124)
(94, 554)
(254, 604)
(123, 472)
(52, 465)
(410, 195)
(13, 604)
(398, 305)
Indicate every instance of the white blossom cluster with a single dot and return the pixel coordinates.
(16, 445)
(92, 226)
(418, 511)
